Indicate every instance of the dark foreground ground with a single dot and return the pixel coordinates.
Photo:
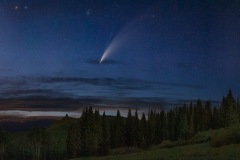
(190, 152)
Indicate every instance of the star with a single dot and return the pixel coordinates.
(16, 7)
(88, 12)
(26, 7)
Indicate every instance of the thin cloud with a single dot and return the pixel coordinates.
(72, 93)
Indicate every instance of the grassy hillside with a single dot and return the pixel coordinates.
(190, 152)
(211, 144)
(201, 148)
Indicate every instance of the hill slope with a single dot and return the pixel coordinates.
(191, 152)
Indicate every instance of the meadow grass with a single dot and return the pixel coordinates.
(189, 152)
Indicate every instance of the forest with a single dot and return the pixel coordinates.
(96, 135)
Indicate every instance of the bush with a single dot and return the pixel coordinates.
(201, 137)
(226, 136)
(124, 150)
(168, 144)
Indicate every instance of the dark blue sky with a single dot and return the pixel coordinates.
(160, 52)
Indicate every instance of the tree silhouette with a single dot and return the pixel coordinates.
(207, 116)
(3, 143)
(228, 112)
(73, 141)
(117, 131)
(144, 135)
(37, 138)
(136, 130)
(104, 145)
(129, 137)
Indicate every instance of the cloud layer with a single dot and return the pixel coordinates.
(72, 93)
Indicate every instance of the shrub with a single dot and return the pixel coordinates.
(124, 150)
(226, 136)
(168, 144)
(201, 137)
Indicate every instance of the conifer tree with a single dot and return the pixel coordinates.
(215, 118)
(183, 125)
(199, 116)
(193, 121)
(238, 110)
(117, 134)
(163, 121)
(129, 137)
(89, 133)
(207, 116)
(73, 141)
(158, 130)
(136, 130)
(104, 145)
(151, 126)
(144, 132)
(228, 112)
(171, 125)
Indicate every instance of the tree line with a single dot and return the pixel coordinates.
(94, 134)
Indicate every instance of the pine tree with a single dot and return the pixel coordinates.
(171, 125)
(199, 116)
(215, 118)
(129, 137)
(207, 116)
(136, 130)
(73, 141)
(144, 135)
(234, 114)
(163, 128)
(117, 131)
(238, 110)
(151, 126)
(157, 134)
(193, 121)
(228, 111)
(183, 125)
(104, 145)
(89, 133)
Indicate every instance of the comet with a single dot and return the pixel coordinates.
(110, 49)
(115, 44)
(125, 37)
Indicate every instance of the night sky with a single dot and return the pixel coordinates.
(154, 53)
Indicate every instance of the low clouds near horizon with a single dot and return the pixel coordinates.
(116, 92)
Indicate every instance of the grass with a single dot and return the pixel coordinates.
(190, 152)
